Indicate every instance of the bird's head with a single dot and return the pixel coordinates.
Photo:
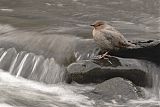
(98, 24)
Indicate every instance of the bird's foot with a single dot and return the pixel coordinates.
(104, 56)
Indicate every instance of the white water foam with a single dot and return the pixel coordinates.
(6, 28)
(34, 91)
(151, 101)
(7, 10)
(31, 66)
(5, 105)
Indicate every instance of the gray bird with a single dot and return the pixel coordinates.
(108, 38)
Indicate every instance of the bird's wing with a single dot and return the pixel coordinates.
(116, 38)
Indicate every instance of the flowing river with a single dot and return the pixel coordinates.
(40, 38)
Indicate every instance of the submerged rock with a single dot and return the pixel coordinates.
(97, 71)
(116, 88)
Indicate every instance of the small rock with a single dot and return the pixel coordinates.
(116, 88)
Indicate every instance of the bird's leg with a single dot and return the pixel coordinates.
(103, 56)
(106, 55)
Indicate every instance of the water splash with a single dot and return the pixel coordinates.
(153, 73)
(35, 94)
(31, 66)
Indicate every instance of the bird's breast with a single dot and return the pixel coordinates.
(101, 40)
(98, 36)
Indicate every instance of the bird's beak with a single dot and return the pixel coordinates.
(92, 25)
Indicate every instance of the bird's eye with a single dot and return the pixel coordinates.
(99, 24)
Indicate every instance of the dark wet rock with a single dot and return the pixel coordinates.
(148, 50)
(97, 71)
(116, 88)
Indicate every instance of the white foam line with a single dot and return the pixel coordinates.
(7, 10)
(21, 65)
(13, 64)
(4, 54)
(49, 4)
(36, 59)
(148, 101)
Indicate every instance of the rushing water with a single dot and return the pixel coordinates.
(39, 38)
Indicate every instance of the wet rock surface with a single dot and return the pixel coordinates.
(147, 49)
(97, 71)
(116, 88)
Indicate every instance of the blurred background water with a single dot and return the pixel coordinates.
(41, 36)
(135, 18)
